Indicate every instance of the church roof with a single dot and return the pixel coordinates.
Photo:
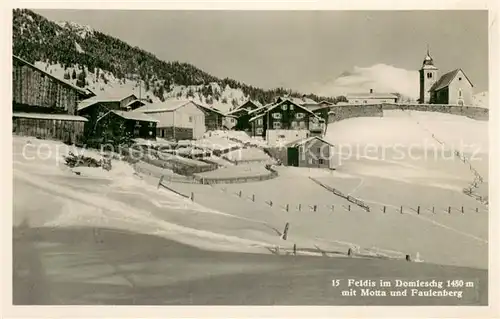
(445, 80)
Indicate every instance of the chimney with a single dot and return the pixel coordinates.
(371, 91)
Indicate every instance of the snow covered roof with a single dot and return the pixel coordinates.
(110, 96)
(74, 87)
(297, 100)
(446, 79)
(256, 117)
(306, 140)
(135, 116)
(373, 95)
(44, 116)
(167, 106)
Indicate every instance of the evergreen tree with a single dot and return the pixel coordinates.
(73, 76)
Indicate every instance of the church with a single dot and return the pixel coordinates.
(452, 88)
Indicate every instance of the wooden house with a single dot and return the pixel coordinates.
(45, 106)
(119, 101)
(116, 124)
(284, 116)
(313, 152)
(214, 119)
(241, 115)
(177, 119)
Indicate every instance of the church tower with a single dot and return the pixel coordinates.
(428, 76)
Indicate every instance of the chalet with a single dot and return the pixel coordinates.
(120, 101)
(115, 124)
(44, 105)
(214, 119)
(371, 98)
(313, 152)
(241, 114)
(285, 120)
(177, 119)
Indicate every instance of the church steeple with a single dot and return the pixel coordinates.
(428, 76)
(428, 59)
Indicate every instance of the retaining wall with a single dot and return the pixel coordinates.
(342, 112)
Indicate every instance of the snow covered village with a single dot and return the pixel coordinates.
(140, 181)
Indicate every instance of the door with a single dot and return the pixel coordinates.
(293, 156)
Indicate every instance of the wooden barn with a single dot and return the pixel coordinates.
(313, 152)
(44, 105)
(62, 127)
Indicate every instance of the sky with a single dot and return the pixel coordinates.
(299, 49)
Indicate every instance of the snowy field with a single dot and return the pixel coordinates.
(51, 195)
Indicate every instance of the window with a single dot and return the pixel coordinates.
(294, 124)
(310, 160)
(364, 101)
(190, 119)
(460, 92)
(284, 107)
(299, 115)
(151, 124)
(276, 125)
(276, 116)
(137, 124)
(460, 78)
(150, 133)
(281, 136)
(163, 133)
(291, 107)
(321, 161)
(258, 131)
(302, 124)
(429, 75)
(259, 121)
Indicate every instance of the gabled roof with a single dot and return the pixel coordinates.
(374, 95)
(266, 108)
(297, 105)
(209, 108)
(105, 97)
(167, 106)
(135, 116)
(306, 140)
(257, 104)
(48, 116)
(445, 80)
(74, 87)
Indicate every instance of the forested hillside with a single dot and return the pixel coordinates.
(80, 50)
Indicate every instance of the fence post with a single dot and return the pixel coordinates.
(253, 197)
(433, 210)
(401, 209)
(314, 207)
(159, 182)
(192, 196)
(449, 209)
(333, 208)
(462, 209)
(285, 232)
(287, 207)
(349, 207)
(477, 210)
(408, 258)
(295, 249)
(300, 207)
(384, 209)
(270, 203)
(418, 210)
(239, 194)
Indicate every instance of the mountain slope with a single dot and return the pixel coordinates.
(70, 49)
